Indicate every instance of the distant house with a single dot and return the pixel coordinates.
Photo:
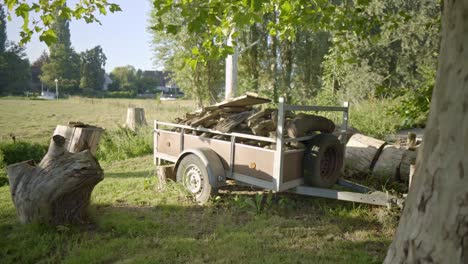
(107, 81)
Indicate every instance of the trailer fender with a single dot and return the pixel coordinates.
(214, 166)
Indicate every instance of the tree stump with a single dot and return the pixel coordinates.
(165, 172)
(79, 136)
(57, 190)
(135, 118)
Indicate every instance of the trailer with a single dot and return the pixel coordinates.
(204, 164)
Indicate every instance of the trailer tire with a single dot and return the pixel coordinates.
(323, 160)
(193, 175)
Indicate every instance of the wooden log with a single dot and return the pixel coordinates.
(81, 137)
(135, 118)
(164, 173)
(362, 152)
(303, 124)
(407, 161)
(211, 116)
(260, 114)
(388, 162)
(263, 128)
(57, 190)
(229, 123)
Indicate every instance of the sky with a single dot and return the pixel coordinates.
(123, 36)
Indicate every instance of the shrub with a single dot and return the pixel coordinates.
(14, 152)
(20, 151)
(124, 143)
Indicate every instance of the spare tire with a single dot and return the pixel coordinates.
(323, 160)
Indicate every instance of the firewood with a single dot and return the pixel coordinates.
(263, 128)
(228, 124)
(303, 124)
(210, 116)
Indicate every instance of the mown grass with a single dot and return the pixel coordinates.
(35, 120)
(134, 223)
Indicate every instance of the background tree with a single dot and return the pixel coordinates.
(124, 79)
(14, 66)
(3, 35)
(201, 81)
(92, 69)
(64, 63)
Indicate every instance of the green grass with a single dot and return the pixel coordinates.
(35, 120)
(131, 222)
(134, 223)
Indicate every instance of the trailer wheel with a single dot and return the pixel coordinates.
(192, 173)
(323, 161)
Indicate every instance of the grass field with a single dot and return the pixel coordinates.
(131, 222)
(35, 120)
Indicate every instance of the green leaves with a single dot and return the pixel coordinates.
(48, 36)
(85, 10)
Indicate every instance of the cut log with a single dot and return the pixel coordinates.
(79, 136)
(135, 118)
(362, 153)
(304, 124)
(57, 190)
(407, 160)
(389, 162)
(164, 173)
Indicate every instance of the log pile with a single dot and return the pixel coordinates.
(241, 115)
(365, 154)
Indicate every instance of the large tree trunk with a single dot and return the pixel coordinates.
(58, 189)
(434, 223)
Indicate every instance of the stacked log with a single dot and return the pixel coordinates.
(239, 115)
(369, 155)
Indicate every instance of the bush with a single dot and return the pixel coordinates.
(18, 151)
(120, 94)
(124, 143)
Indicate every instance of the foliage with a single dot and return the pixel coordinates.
(414, 103)
(203, 81)
(92, 72)
(43, 59)
(14, 152)
(391, 60)
(47, 12)
(124, 78)
(124, 143)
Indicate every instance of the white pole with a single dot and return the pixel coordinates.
(56, 89)
(231, 70)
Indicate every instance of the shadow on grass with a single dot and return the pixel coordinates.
(133, 174)
(288, 229)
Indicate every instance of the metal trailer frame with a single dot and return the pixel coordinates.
(361, 194)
